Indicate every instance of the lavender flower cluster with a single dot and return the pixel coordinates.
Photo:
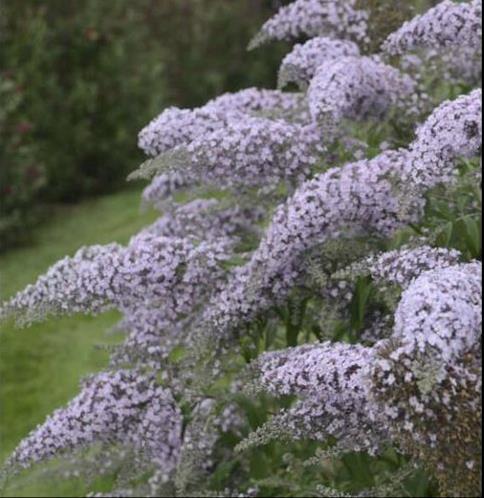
(338, 19)
(121, 407)
(356, 88)
(217, 268)
(301, 64)
(449, 24)
(399, 388)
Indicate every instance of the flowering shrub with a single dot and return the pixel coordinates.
(293, 305)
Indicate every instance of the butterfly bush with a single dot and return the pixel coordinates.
(301, 64)
(356, 88)
(207, 219)
(331, 378)
(124, 408)
(446, 25)
(459, 66)
(280, 234)
(338, 19)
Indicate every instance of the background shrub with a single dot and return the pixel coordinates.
(93, 73)
(21, 174)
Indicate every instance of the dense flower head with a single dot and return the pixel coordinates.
(357, 88)
(427, 379)
(150, 338)
(441, 311)
(122, 407)
(453, 131)
(151, 270)
(207, 219)
(301, 64)
(404, 388)
(324, 370)
(332, 379)
(448, 24)
(334, 18)
(255, 101)
(175, 127)
(254, 152)
(403, 266)
(460, 65)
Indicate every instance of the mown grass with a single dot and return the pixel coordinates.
(40, 366)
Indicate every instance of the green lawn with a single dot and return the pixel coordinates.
(40, 366)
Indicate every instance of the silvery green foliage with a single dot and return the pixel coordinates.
(449, 24)
(337, 19)
(357, 88)
(163, 186)
(123, 407)
(301, 64)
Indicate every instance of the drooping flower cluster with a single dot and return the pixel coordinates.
(357, 88)
(459, 66)
(336, 18)
(452, 131)
(357, 198)
(175, 127)
(115, 408)
(206, 219)
(449, 24)
(404, 265)
(427, 379)
(331, 379)
(261, 102)
(153, 271)
(439, 314)
(397, 388)
(301, 64)
(255, 152)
